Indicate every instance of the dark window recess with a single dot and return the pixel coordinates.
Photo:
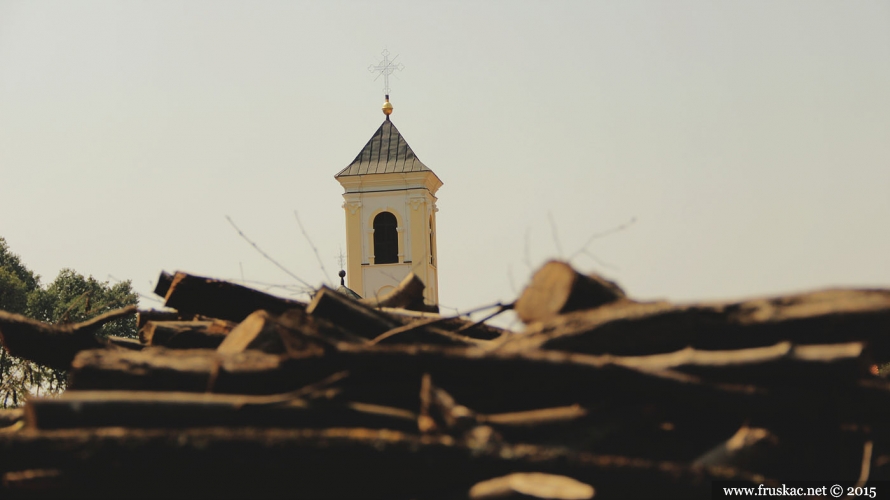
(432, 245)
(386, 239)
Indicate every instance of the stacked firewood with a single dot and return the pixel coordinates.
(233, 393)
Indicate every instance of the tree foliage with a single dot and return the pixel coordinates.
(70, 298)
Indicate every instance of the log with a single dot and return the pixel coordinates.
(257, 331)
(425, 422)
(300, 322)
(190, 370)
(576, 427)
(485, 381)
(165, 280)
(10, 416)
(294, 332)
(185, 334)
(142, 409)
(543, 416)
(423, 332)
(627, 328)
(747, 449)
(532, 485)
(556, 288)
(53, 345)
(350, 314)
(214, 462)
(146, 315)
(389, 375)
(783, 364)
(455, 418)
(379, 326)
(626, 407)
(125, 342)
(265, 332)
(456, 324)
(39, 483)
(407, 295)
(221, 299)
(447, 413)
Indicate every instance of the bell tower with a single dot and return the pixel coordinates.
(390, 207)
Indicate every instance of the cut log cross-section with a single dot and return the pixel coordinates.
(556, 288)
(293, 332)
(408, 295)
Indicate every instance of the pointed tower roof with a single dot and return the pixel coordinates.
(386, 152)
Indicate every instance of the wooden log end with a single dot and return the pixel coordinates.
(164, 282)
(532, 485)
(556, 288)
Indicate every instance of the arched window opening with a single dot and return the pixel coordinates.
(386, 239)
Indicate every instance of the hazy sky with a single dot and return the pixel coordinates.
(750, 140)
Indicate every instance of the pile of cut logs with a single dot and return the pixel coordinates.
(235, 393)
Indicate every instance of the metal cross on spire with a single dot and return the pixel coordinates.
(385, 68)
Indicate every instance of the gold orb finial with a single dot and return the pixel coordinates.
(387, 107)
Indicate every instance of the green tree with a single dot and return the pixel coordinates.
(70, 298)
(13, 292)
(16, 281)
(73, 298)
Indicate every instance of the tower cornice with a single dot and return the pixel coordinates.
(370, 183)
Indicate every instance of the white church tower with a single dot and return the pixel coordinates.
(390, 206)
